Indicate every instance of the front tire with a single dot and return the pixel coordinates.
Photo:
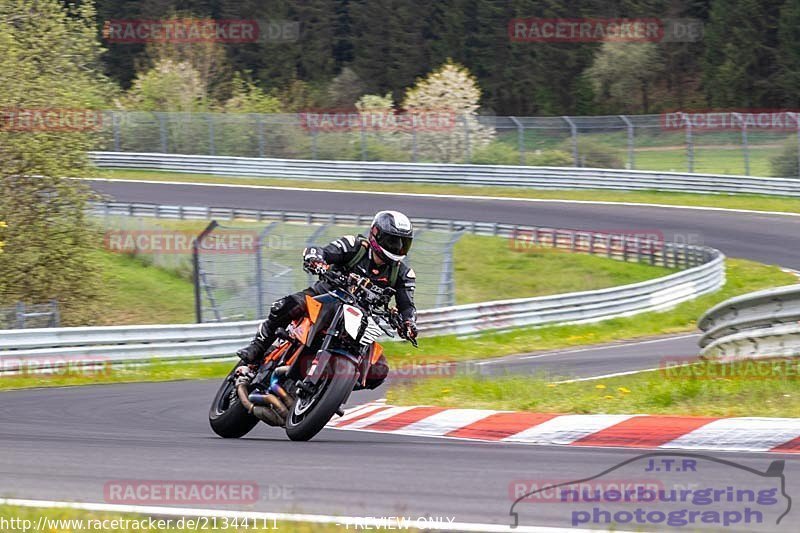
(227, 416)
(302, 424)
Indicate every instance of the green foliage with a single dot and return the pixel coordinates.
(621, 70)
(48, 241)
(785, 164)
(593, 154)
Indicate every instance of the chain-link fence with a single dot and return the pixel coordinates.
(240, 282)
(644, 142)
(21, 316)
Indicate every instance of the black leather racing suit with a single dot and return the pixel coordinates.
(339, 254)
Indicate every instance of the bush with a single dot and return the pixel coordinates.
(549, 158)
(784, 165)
(594, 154)
(496, 153)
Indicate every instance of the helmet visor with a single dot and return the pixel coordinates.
(394, 244)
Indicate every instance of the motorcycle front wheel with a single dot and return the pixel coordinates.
(227, 416)
(309, 415)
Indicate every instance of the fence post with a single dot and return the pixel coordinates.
(689, 147)
(198, 306)
(520, 139)
(55, 317)
(745, 146)
(20, 318)
(574, 132)
(414, 154)
(363, 141)
(261, 140)
(116, 129)
(631, 163)
(797, 118)
(467, 147)
(162, 128)
(212, 149)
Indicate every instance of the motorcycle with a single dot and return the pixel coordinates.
(319, 359)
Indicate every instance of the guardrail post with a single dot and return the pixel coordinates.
(797, 118)
(520, 139)
(55, 318)
(574, 132)
(631, 164)
(363, 141)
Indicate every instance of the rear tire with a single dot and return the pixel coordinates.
(304, 426)
(227, 416)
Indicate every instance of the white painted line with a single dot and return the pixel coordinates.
(746, 434)
(354, 522)
(605, 376)
(449, 196)
(566, 429)
(445, 422)
(615, 345)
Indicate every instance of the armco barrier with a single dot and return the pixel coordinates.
(760, 324)
(704, 272)
(457, 174)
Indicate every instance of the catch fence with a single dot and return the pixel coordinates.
(643, 142)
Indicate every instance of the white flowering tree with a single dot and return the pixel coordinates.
(450, 93)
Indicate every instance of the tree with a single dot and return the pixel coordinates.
(49, 59)
(622, 69)
(740, 67)
(449, 90)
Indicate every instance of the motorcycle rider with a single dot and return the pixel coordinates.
(378, 257)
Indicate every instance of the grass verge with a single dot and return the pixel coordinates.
(749, 388)
(729, 201)
(743, 276)
(137, 293)
(63, 519)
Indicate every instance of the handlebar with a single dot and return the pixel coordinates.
(375, 297)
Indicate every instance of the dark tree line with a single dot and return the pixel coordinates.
(749, 56)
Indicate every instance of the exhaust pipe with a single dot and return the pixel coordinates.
(259, 411)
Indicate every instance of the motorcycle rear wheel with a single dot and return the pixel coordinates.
(227, 416)
(304, 420)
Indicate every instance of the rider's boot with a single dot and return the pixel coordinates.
(258, 347)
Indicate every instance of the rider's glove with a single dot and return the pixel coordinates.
(411, 329)
(313, 261)
(244, 375)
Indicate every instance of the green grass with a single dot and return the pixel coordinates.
(483, 265)
(137, 523)
(709, 160)
(136, 293)
(152, 372)
(743, 276)
(728, 201)
(742, 389)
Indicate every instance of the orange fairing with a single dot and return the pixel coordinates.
(377, 351)
(301, 330)
(313, 308)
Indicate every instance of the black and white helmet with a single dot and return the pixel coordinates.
(391, 235)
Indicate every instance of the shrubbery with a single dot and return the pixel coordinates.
(785, 164)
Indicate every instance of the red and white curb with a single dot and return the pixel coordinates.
(751, 434)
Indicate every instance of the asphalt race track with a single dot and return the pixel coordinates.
(67, 444)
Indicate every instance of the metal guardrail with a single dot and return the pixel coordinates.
(760, 324)
(704, 272)
(458, 174)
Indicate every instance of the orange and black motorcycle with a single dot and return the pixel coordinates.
(319, 360)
